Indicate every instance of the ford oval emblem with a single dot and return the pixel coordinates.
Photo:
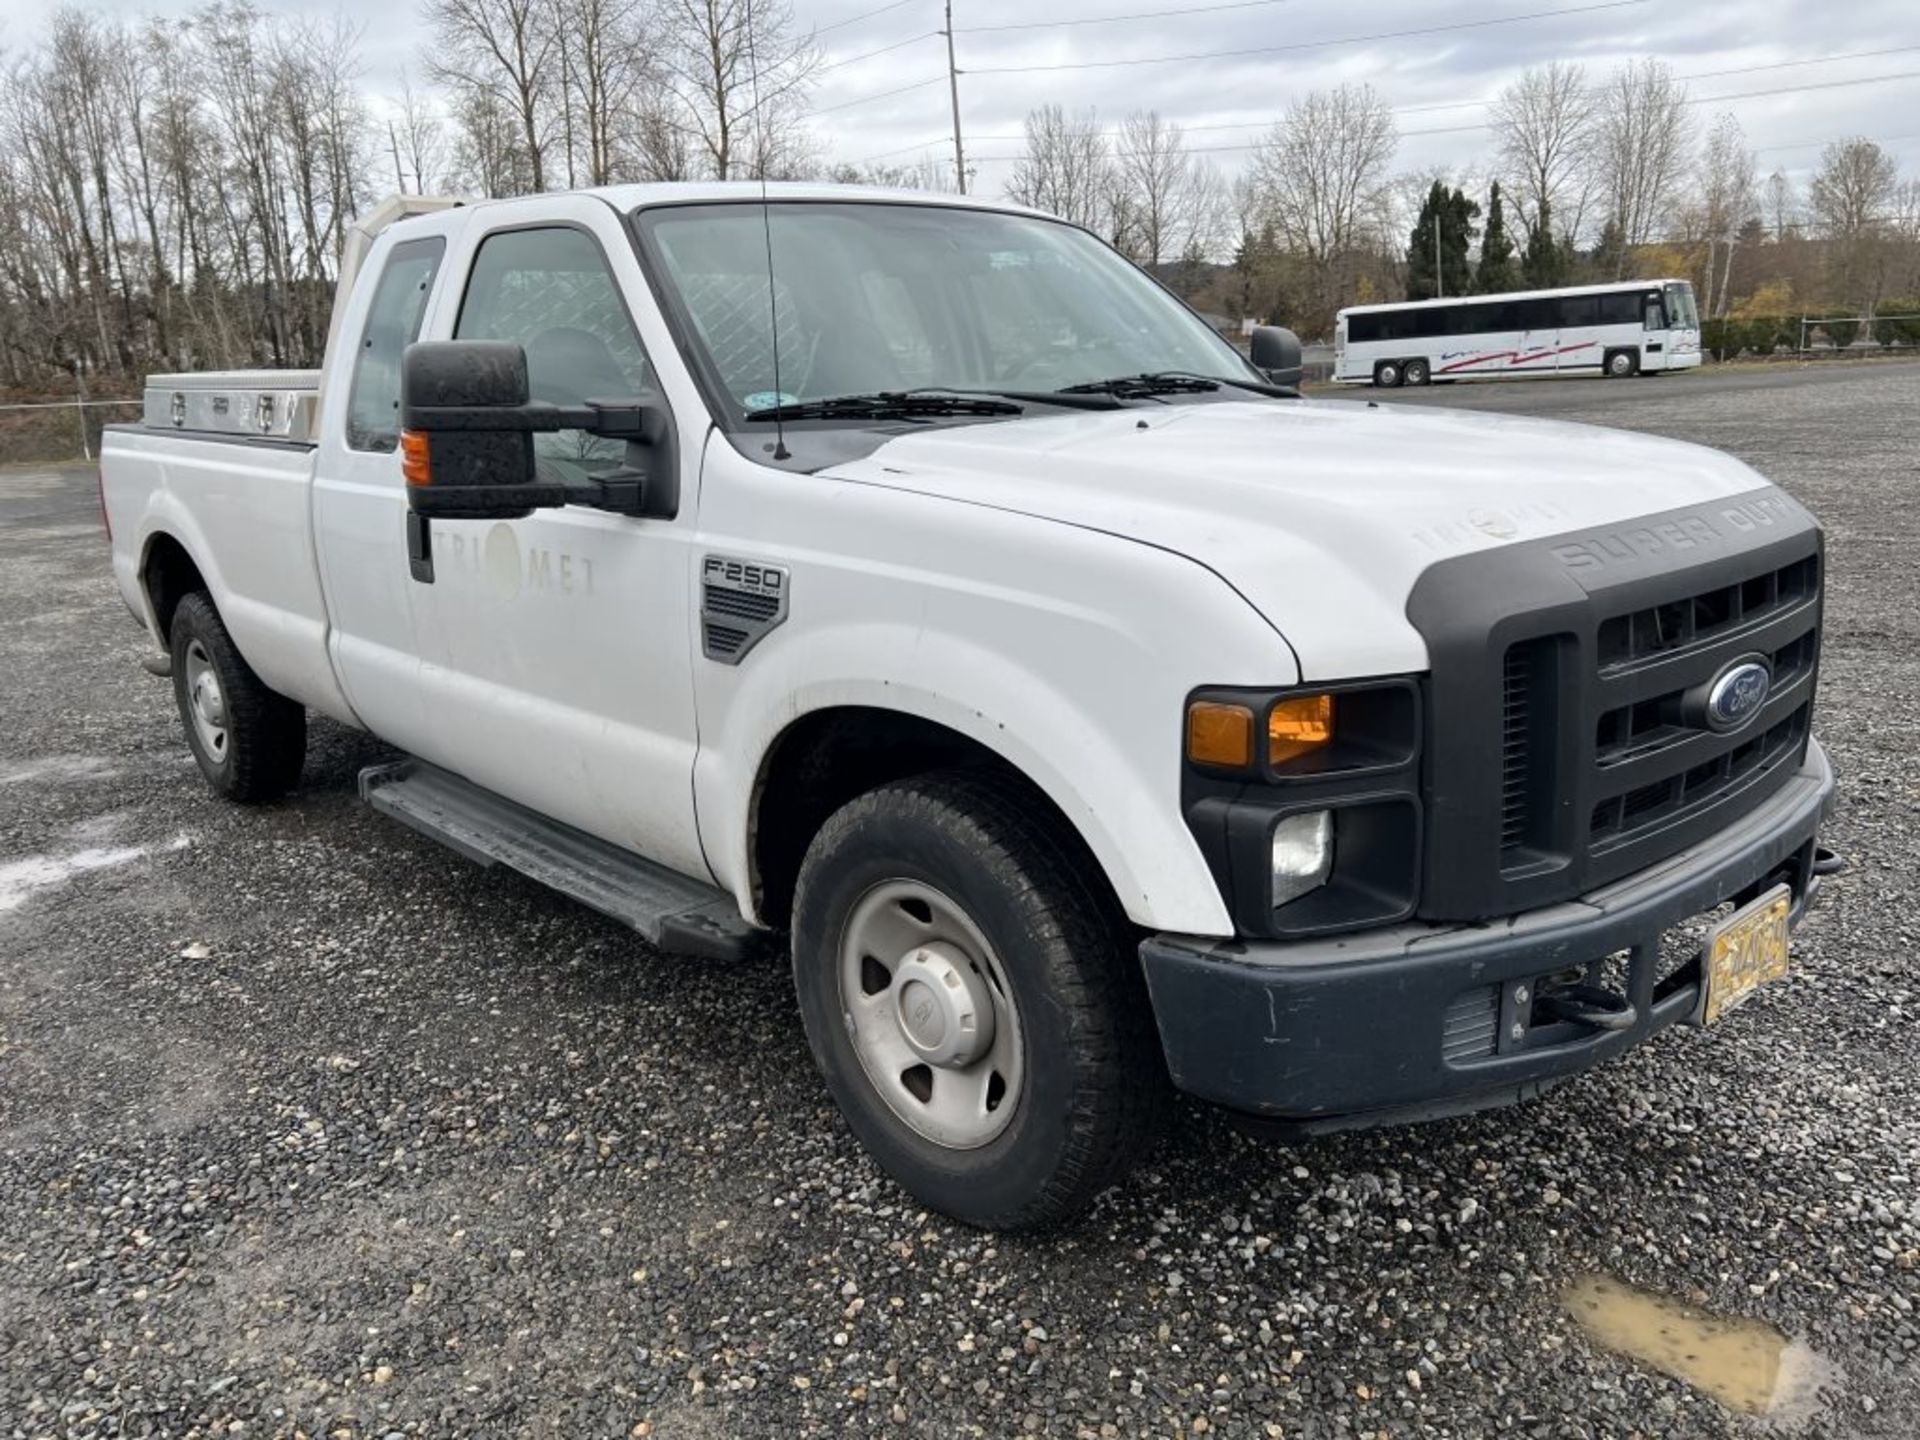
(1737, 693)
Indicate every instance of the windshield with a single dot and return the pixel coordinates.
(889, 297)
(1681, 314)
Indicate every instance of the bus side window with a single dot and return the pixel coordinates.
(1656, 320)
(1619, 308)
(1577, 310)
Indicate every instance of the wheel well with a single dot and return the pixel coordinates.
(169, 576)
(827, 758)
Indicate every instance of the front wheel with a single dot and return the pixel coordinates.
(1418, 372)
(1621, 364)
(973, 998)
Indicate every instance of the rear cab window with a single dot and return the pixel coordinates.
(394, 316)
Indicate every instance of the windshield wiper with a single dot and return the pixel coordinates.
(883, 404)
(1173, 382)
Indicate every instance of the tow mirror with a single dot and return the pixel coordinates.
(466, 439)
(1276, 354)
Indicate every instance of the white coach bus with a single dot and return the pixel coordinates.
(1631, 328)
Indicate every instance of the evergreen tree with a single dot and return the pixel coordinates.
(1446, 224)
(1610, 251)
(1545, 263)
(1496, 272)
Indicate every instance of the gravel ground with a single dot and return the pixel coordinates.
(307, 1127)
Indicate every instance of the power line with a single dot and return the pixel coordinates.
(863, 15)
(1466, 129)
(1309, 44)
(897, 45)
(869, 99)
(1462, 104)
(1120, 19)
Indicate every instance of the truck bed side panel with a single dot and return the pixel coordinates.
(241, 511)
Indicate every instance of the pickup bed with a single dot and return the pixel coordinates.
(912, 578)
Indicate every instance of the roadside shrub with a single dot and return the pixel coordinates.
(1841, 331)
(1901, 331)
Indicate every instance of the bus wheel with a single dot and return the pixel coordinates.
(1621, 364)
(1418, 372)
(1387, 374)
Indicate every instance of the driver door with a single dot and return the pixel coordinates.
(563, 678)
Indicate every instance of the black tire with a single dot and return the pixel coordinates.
(1094, 1093)
(1417, 372)
(265, 735)
(1621, 364)
(1388, 375)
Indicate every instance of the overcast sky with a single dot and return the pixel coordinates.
(1436, 81)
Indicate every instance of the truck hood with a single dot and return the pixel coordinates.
(1321, 514)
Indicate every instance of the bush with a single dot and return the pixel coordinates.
(1840, 330)
(1901, 331)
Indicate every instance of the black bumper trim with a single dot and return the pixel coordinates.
(1348, 1031)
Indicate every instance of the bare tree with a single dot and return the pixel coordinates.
(1321, 174)
(1727, 202)
(504, 51)
(1065, 169)
(1851, 196)
(1164, 200)
(1782, 206)
(421, 141)
(604, 58)
(1642, 134)
(1543, 127)
(738, 74)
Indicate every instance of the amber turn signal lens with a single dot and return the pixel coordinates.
(415, 468)
(1298, 726)
(1219, 734)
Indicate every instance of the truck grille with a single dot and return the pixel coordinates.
(1567, 735)
(1652, 761)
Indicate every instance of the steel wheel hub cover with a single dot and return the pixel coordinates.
(930, 1013)
(943, 1006)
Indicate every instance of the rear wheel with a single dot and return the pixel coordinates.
(1387, 374)
(1621, 363)
(1418, 372)
(250, 741)
(973, 999)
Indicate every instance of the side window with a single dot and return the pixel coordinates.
(1619, 308)
(1656, 320)
(393, 323)
(1578, 310)
(550, 292)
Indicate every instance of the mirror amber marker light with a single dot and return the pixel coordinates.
(1298, 726)
(415, 467)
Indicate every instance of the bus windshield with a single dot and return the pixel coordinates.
(1681, 314)
(894, 297)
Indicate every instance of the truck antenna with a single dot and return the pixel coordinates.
(780, 451)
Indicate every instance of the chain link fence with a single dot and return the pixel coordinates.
(45, 431)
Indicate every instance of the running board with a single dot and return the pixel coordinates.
(668, 909)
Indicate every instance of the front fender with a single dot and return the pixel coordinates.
(1066, 651)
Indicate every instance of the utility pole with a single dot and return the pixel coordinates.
(1439, 279)
(399, 176)
(953, 89)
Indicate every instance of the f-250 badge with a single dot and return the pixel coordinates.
(740, 602)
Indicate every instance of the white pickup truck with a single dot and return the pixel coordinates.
(914, 576)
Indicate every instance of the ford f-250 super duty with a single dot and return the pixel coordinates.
(913, 575)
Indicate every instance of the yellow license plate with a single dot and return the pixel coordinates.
(1745, 951)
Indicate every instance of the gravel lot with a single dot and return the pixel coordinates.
(307, 1127)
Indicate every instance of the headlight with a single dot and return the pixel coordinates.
(1302, 855)
(1306, 803)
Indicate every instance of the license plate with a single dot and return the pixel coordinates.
(1745, 951)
